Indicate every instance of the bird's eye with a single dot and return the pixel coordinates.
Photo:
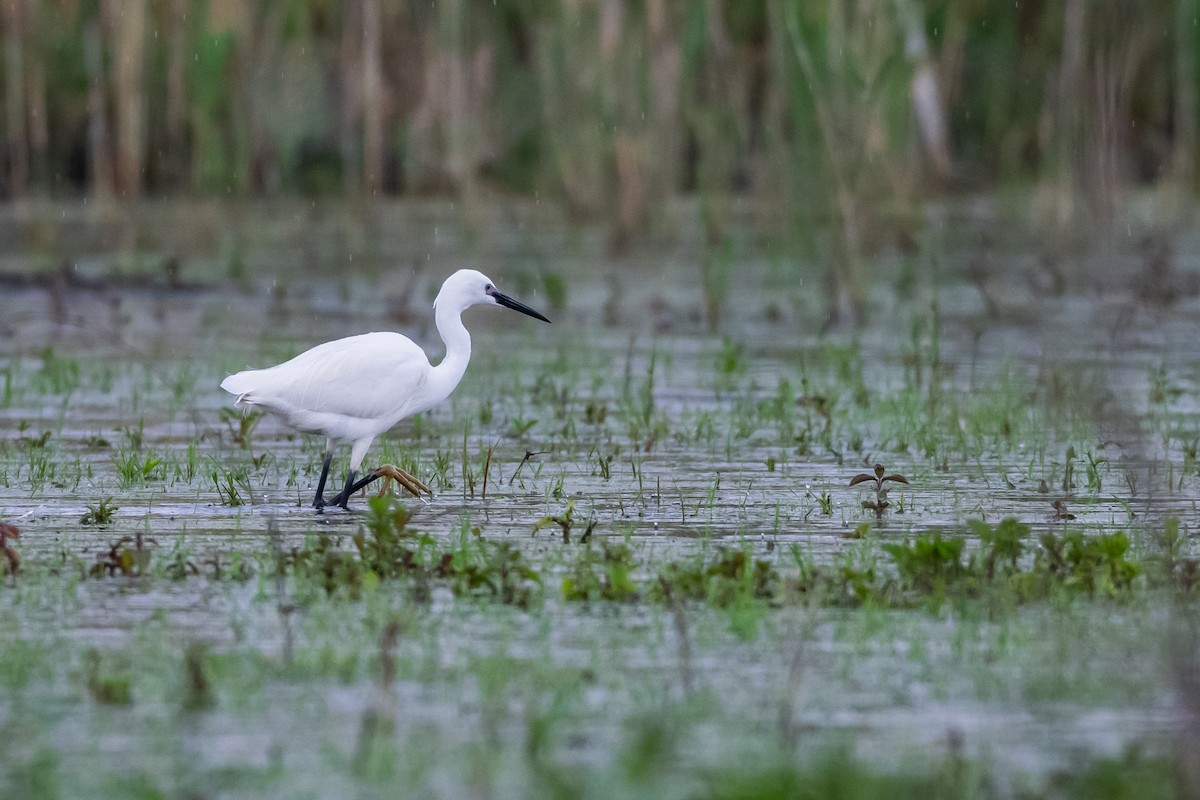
(489, 289)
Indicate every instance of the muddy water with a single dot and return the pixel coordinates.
(132, 371)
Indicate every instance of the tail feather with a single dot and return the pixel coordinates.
(253, 387)
(240, 385)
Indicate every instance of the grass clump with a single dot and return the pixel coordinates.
(602, 575)
(232, 485)
(566, 520)
(1095, 565)
(135, 468)
(387, 549)
(934, 566)
(100, 513)
(495, 571)
(128, 556)
(1170, 564)
(722, 582)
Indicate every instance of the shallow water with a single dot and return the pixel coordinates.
(707, 438)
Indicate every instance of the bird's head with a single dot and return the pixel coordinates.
(469, 287)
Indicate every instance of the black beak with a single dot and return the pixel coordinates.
(515, 305)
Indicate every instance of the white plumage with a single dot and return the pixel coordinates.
(354, 389)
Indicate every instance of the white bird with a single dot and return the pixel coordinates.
(356, 388)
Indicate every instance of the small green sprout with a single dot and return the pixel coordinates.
(565, 520)
(100, 514)
(1094, 478)
(230, 484)
(240, 425)
(518, 427)
(34, 442)
(135, 467)
(603, 575)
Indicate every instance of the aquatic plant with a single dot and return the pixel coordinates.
(231, 483)
(1094, 463)
(179, 566)
(825, 502)
(1096, 564)
(378, 726)
(240, 424)
(716, 271)
(387, 549)
(931, 564)
(877, 479)
(100, 513)
(238, 568)
(135, 468)
(604, 574)
(495, 571)
(1171, 563)
(123, 559)
(565, 520)
(934, 565)
(28, 442)
(595, 413)
(730, 577)
(1068, 481)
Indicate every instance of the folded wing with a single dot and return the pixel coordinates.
(372, 376)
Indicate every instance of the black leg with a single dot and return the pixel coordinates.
(319, 500)
(344, 498)
(353, 486)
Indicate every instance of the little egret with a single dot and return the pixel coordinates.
(356, 388)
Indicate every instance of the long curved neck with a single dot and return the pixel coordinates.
(446, 375)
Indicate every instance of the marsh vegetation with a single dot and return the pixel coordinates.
(861, 460)
(649, 564)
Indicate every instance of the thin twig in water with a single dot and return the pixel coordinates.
(528, 455)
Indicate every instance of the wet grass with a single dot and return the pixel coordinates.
(647, 569)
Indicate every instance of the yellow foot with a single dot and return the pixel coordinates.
(391, 473)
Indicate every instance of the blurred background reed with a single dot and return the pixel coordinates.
(827, 125)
